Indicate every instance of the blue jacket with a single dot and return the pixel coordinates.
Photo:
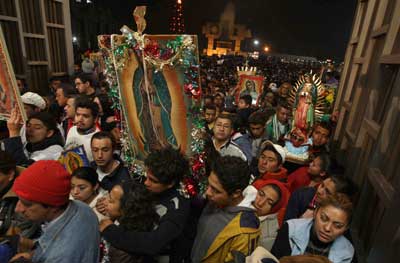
(341, 251)
(72, 237)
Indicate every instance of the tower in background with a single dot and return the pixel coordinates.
(177, 22)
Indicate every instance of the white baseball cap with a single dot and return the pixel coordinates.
(34, 99)
(277, 147)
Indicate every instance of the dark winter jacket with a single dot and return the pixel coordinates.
(166, 239)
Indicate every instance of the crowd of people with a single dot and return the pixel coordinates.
(258, 206)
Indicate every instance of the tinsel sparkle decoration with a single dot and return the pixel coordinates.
(177, 23)
(178, 51)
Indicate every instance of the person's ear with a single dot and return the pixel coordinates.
(169, 186)
(315, 212)
(49, 133)
(236, 194)
(11, 175)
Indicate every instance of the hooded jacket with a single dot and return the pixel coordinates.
(224, 230)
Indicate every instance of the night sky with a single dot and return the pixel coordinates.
(319, 28)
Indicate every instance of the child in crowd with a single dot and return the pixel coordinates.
(132, 207)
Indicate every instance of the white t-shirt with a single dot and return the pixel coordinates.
(74, 139)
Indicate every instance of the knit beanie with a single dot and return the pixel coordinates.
(45, 182)
(285, 194)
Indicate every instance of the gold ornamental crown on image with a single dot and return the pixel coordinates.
(246, 70)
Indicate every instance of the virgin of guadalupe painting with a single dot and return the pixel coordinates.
(154, 102)
(249, 85)
(9, 93)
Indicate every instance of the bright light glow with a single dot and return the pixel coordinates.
(256, 42)
(74, 39)
(266, 49)
(179, 1)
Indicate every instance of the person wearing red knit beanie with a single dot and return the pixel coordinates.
(43, 191)
(45, 182)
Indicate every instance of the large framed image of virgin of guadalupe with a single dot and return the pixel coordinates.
(154, 92)
(249, 85)
(10, 97)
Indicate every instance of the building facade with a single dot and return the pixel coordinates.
(368, 131)
(38, 38)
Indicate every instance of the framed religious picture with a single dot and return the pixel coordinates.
(97, 58)
(249, 85)
(10, 97)
(155, 94)
(74, 158)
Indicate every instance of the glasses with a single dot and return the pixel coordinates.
(219, 125)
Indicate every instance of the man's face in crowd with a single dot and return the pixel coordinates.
(54, 84)
(30, 109)
(242, 104)
(215, 192)
(256, 130)
(268, 162)
(77, 68)
(32, 211)
(70, 108)
(222, 129)
(315, 168)
(218, 101)
(269, 97)
(266, 198)
(284, 90)
(20, 84)
(320, 136)
(330, 223)
(282, 115)
(81, 86)
(325, 189)
(209, 115)
(208, 101)
(36, 131)
(154, 185)
(84, 119)
(102, 151)
(60, 98)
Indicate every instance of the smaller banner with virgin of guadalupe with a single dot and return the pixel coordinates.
(10, 97)
(249, 85)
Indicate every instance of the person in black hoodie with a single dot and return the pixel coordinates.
(109, 166)
(165, 169)
(44, 140)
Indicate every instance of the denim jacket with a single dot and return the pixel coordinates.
(341, 251)
(72, 237)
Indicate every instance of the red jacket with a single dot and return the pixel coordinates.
(280, 175)
(298, 179)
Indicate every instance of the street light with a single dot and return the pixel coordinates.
(256, 42)
(74, 39)
(266, 48)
